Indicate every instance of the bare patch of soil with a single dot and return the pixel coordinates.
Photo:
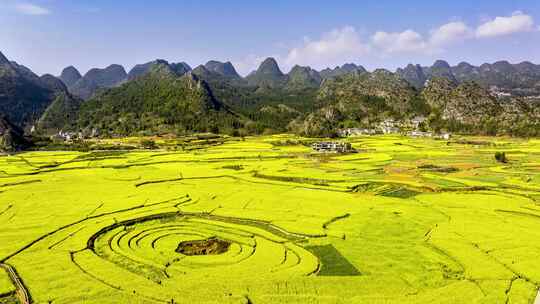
(210, 246)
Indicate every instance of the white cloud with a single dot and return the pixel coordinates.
(335, 47)
(346, 44)
(410, 41)
(450, 33)
(31, 9)
(400, 42)
(500, 26)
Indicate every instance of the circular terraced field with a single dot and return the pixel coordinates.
(149, 247)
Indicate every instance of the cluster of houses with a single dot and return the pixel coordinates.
(390, 126)
(71, 136)
(66, 136)
(445, 136)
(332, 146)
(496, 91)
(350, 132)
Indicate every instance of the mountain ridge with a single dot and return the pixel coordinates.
(98, 78)
(70, 75)
(172, 97)
(521, 79)
(268, 75)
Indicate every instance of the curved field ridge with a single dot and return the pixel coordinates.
(147, 247)
(144, 244)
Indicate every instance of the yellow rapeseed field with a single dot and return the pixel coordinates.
(401, 221)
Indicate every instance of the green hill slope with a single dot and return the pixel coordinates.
(157, 102)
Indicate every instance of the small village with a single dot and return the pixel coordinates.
(69, 137)
(412, 128)
(332, 147)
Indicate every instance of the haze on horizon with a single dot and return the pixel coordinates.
(48, 35)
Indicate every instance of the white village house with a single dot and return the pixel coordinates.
(356, 132)
(330, 146)
(67, 136)
(421, 134)
(389, 126)
(417, 121)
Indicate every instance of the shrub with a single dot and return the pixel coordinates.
(501, 157)
(148, 144)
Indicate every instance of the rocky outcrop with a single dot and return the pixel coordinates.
(414, 74)
(70, 76)
(225, 69)
(342, 70)
(11, 136)
(303, 77)
(97, 79)
(268, 75)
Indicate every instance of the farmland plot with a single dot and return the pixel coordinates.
(265, 220)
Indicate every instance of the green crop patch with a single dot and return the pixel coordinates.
(386, 189)
(434, 168)
(234, 167)
(300, 180)
(100, 155)
(333, 263)
(400, 192)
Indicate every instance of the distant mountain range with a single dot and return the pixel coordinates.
(521, 79)
(159, 96)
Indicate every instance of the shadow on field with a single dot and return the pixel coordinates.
(332, 262)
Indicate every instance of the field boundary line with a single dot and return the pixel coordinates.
(22, 292)
(3, 260)
(239, 179)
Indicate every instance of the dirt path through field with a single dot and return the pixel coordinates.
(22, 293)
(537, 298)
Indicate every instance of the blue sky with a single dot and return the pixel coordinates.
(47, 35)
